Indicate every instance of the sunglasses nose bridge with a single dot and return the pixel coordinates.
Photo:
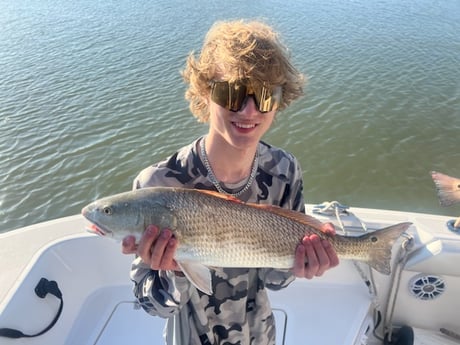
(250, 90)
(244, 105)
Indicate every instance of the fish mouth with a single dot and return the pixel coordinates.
(92, 226)
(97, 229)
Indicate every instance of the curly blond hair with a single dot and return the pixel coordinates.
(237, 50)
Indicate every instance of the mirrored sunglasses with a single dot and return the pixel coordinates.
(234, 95)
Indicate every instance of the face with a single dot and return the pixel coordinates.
(242, 128)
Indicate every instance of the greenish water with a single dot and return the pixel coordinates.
(90, 93)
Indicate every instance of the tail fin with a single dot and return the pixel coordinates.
(448, 188)
(382, 243)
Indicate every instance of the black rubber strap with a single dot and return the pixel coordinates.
(42, 289)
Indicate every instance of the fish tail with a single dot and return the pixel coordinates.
(383, 240)
(447, 188)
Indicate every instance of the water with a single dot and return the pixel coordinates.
(90, 93)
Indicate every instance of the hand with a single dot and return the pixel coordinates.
(315, 255)
(156, 248)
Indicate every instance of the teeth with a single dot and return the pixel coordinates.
(244, 125)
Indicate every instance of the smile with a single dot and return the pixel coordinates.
(244, 125)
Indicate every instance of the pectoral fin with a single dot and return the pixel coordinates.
(199, 275)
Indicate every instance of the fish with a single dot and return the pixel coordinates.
(447, 187)
(217, 230)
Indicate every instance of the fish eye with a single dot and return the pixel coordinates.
(374, 239)
(107, 210)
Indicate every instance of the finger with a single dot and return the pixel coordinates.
(158, 249)
(312, 267)
(167, 261)
(145, 244)
(299, 261)
(330, 251)
(328, 228)
(321, 254)
(129, 245)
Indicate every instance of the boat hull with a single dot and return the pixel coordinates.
(99, 306)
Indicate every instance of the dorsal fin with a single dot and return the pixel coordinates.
(293, 215)
(220, 195)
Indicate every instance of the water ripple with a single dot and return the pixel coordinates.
(91, 93)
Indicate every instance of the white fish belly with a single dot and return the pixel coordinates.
(233, 256)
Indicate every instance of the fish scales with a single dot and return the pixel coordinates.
(216, 230)
(269, 239)
(203, 221)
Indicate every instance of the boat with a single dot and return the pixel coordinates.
(61, 285)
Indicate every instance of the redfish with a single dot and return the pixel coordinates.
(215, 230)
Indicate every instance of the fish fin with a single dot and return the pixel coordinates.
(220, 195)
(286, 213)
(447, 187)
(199, 275)
(294, 215)
(382, 244)
(291, 214)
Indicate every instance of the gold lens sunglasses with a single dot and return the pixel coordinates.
(234, 95)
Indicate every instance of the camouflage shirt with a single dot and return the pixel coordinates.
(239, 311)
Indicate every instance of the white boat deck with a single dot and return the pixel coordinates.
(99, 307)
(123, 322)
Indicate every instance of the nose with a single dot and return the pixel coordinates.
(249, 106)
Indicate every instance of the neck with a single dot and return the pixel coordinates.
(229, 164)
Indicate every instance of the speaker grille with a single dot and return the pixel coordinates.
(427, 287)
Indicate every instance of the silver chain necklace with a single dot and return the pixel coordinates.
(213, 178)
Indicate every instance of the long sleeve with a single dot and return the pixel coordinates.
(239, 308)
(277, 279)
(160, 293)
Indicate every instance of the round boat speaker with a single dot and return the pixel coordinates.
(427, 287)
